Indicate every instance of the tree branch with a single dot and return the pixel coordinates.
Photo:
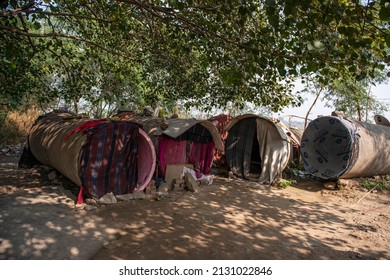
(26, 30)
(58, 35)
(365, 17)
(18, 10)
(71, 15)
(186, 23)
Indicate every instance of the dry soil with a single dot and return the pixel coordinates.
(230, 219)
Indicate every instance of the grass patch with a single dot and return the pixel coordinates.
(284, 183)
(381, 184)
(15, 125)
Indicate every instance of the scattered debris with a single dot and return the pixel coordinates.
(85, 206)
(52, 175)
(175, 171)
(151, 188)
(139, 195)
(7, 189)
(108, 198)
(367, 193)
(91, 201)
(348, 183)
(163, 188)
(11, 150)
(191, 183)
(125, 197)
(162, 195)
(330, 185)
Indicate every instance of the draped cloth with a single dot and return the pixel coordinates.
(257, 148)
(100, 156)
(171, 151)
(108, 160)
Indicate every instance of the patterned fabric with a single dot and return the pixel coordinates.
(108, 160)
(84, 127)
(327, 146)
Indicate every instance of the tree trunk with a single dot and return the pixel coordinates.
(359, 111)
(76, 107)
(312, 105)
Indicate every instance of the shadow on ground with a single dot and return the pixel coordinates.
(231, 219)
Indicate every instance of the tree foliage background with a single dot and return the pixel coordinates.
(108, 54)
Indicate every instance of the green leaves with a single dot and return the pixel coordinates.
(201, 52)
(384, 12)
(388, 40)
(37, 25)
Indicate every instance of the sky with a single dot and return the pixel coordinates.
(381, 92)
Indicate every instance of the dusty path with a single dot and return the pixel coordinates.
(239, 220)
(231, 219)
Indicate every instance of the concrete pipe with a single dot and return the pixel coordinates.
(100, 156)
(334, 147)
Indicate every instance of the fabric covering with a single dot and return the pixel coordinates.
(177, 127)
(256, 148)
(172, 128)
(180, 141)
(220, 123)
(201, 156)
(100, 156)
(197, 133)
(108, 160)
(174, 151)
(335, 147)
(171, 151)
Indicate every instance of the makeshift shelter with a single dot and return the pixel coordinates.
(295, 136)
(335, 147)
(100, 156)
(180, 141)
(257, 148)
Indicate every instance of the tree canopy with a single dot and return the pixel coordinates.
(204, 52)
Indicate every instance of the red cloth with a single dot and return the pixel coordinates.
(80, 197)
(84, 127)
(171, 151)
(201, 156)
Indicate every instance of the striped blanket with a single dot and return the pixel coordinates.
(108, 159)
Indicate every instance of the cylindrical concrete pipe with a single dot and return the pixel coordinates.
(335, 147)
(100, 156)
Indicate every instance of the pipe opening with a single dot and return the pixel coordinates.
(327, 147)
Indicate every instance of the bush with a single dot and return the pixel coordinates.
(16, 125)
(283, 183)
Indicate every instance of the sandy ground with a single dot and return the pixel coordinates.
(230, 219)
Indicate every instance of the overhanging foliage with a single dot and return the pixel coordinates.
(208, 52)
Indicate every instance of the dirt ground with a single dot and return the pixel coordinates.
(230, 219)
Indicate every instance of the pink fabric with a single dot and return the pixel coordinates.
(171, 151)
(201, 156)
